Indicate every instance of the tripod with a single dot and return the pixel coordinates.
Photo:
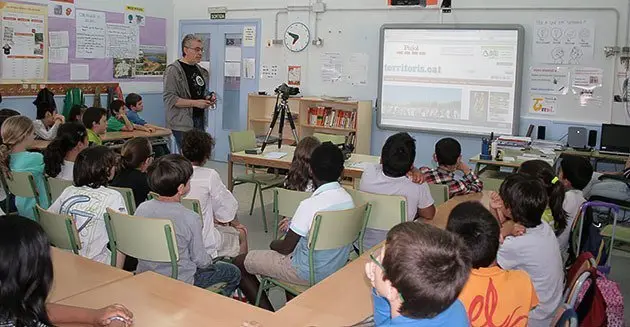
(282, 110)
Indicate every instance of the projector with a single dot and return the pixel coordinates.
(408, 3)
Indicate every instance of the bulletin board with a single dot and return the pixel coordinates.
(104, 55)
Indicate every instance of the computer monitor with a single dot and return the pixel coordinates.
(615, 139)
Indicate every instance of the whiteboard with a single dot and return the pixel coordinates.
(450, 78)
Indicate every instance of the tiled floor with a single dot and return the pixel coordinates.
(258, 239)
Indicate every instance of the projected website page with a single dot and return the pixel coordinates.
(449, 80)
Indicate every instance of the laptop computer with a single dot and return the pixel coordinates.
(615, 139)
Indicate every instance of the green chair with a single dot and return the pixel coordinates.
(439, 193)
(333, 138)
(61, 229)
(22, 184)
(143, 238)
(241, 141)
(330, 230)
(290, 202)
(382, 212)
(190, 204)
(130, 201)
(55, 187)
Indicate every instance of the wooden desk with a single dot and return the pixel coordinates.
(156, 301)
(74, 274)
(344, 298)
(40, 145)
(494, 164)
(285, 162)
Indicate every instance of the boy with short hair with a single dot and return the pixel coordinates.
(288, 258)
(390, 178)
(134, 102)
(536, 251)
(95, 120)
(448, 155)
(417, 277)
(504, 296)
(169, 177)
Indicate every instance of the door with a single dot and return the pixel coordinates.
(225, 56)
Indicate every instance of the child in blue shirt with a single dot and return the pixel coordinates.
(417, 277)
(135, 105)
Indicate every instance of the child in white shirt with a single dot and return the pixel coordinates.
(222, 234)
(48, 121)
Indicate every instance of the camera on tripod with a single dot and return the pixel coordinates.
(286, 90)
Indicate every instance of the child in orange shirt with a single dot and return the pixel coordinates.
(492, 296)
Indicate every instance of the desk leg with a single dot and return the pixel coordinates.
(230, 172)
(477, 167)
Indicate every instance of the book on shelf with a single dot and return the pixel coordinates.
(329, 117)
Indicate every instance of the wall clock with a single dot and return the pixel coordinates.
(297, 37)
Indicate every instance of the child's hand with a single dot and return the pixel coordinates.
(115, 312)
(518, 230)
(415, 175)
(283, 225)
(150, 130)
(60, 119)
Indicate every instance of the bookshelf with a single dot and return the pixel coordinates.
(315, 115)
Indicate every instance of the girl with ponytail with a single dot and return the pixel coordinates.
(18, 134)
(61, 153)
(136, 156)
(555, 215)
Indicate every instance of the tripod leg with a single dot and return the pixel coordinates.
(281, 126)
(276, 112)
(292, 123)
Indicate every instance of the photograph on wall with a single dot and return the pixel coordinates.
(124, 68)
(61, 9)
(151, 61)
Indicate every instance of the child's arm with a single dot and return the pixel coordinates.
(128, 125)
(65, 314)
(224, 204)
(142, 128)
(46, 134)
(287, 245)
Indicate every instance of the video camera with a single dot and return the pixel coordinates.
(286, 90)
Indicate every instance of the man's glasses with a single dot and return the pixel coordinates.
(196, 49)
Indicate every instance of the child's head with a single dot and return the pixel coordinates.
(117, 109)
(6, 113)
(76, 113)
(26, 271)
(95, 167)
(71, 137)
(555, 189)
(95, 119)
(398, 154)
(447, 152)
(326, 163)
(137, 153)
(46, 113)
(169, 175)
(197, 146)
(423, 267)
(299, 172)
(525, 199)
(575, 172)
(134, 102)
(478, 229)
(16, 131)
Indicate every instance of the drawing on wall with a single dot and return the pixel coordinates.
(563, 41)
(124, 68)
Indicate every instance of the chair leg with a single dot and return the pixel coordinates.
(262, 208)
(251, 209)
(261, 289)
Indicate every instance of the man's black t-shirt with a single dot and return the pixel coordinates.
(196, 84)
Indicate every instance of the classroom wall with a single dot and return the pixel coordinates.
(360, 34)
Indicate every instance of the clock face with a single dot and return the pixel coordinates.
(297, 37)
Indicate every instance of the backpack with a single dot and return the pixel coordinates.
(74, 97)
(590, 240)
(611, 295)
(591, 308)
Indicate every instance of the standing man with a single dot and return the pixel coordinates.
(186, 95)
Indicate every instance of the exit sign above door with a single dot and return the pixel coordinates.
(217, 12)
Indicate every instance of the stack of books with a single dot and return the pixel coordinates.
(329, 117)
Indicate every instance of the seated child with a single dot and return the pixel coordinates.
(492, 296)
(448, 155)
(136, 155)
(4, 115)
(17, 135)
(288, 258)
(536, 251)
(48, 120)
(87, 200)
(76, 113)
(27, 278)
(417, 276)
(118, 121)
(135, 105)
(62, 152)
(227, 237)
(95, 120)
(575, 174)
(169, 177)
(554, 215)
(390, 178)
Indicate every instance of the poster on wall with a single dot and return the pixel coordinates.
(122, 41)
(563, 41)
(295, 75)
(135, 16)
(124, 68)
(61, 9)
(543, 104)
(90, 34)
(151, 61)
(23, 42)
(549, 80)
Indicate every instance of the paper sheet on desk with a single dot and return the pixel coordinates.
(275, 155)
(360, 165)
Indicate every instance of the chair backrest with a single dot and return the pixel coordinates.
(56, 186)
(241, 141)
(491, 184)
(130, 200)
(575, 288)
(150, 239)
(565, 316)
(190, 204)
(335, 229)
(386, 211)
(439, 193)
(285, 202)
(22, 184)
(61, 229)
(334, 138)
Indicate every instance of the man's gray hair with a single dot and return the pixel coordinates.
(188, 39)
